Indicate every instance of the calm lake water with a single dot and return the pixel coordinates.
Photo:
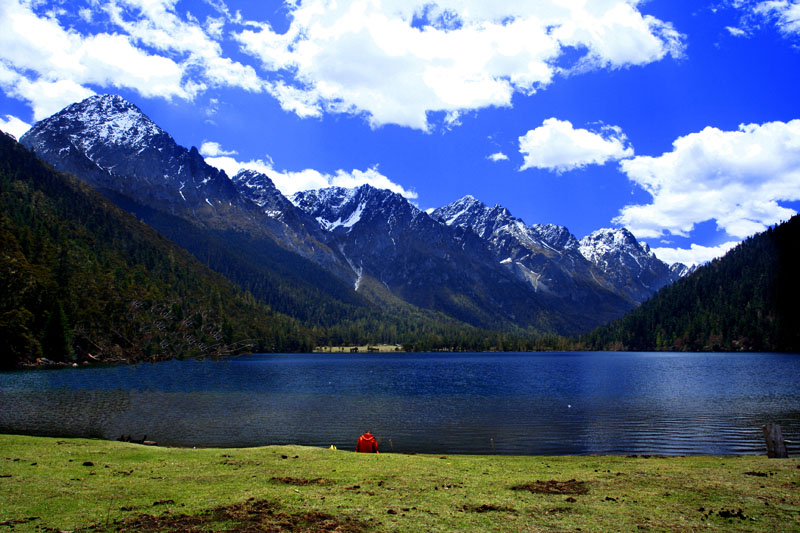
(513, 403)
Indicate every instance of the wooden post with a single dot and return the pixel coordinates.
(776, 447)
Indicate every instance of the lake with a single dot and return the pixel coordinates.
(506, 403)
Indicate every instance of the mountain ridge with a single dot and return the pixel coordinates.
(496, 272)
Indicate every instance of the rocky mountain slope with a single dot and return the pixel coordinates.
(424, 262)
(109, 143)
(630, 266)
(603, 268)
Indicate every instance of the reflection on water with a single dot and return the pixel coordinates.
(569, 403)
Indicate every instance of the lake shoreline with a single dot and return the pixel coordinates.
(382, 451)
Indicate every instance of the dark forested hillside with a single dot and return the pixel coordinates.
(81, 279)
(747, 300)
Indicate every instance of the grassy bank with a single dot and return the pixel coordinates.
(75, 484)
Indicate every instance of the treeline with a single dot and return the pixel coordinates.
(746, 300)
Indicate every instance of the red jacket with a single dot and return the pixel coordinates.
(367, 444)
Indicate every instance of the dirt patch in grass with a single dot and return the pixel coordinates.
(12, 523)
(248, 517)
(301, 481)
(759, 474)
(235, 462)
(555, 487)
(488, 508)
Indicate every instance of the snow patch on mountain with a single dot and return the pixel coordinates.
(493, 223)
(605, 243)
(109, 120)
(260, 189)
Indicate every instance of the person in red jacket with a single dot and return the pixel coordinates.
(367, 444)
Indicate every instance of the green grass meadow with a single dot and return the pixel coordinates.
(50, 484)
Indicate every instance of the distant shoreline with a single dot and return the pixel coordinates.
(365, 348)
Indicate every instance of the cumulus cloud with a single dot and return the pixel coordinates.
(290, 182)
(14, 126)
(155, 23)
(45, 96)
(557, 146)
(45, 61)
(498, 156)
(397, 61)
(214, 149)
(393, 61)
(695, 255)
(736, 178)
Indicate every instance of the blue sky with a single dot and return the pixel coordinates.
(677, 119)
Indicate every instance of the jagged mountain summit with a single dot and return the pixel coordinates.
(545, 257)
(743, 301)
(111, 144)
(630, 265)
(490, 222)
(259, 188)
(338, 209)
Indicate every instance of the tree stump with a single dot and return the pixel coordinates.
(776, 447)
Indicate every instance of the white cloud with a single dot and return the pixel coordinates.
(50, 66)
(213, 149)
(498, 156)
(392, 61)
(290, 182)
(397, 61)
(45, 96)
(44, 60)
(786, 14)
(736, 32)
(156, 24)
(14, 126)
(557, 146)
(736, 178)
(695, 255)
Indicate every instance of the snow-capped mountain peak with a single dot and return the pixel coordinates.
(470, 213)
(339, 209)
(108, 120)
(114, 146)
(624, 259)
(259, 188)
(492, 222)
(607, 241)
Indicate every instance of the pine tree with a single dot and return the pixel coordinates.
(57, 339)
